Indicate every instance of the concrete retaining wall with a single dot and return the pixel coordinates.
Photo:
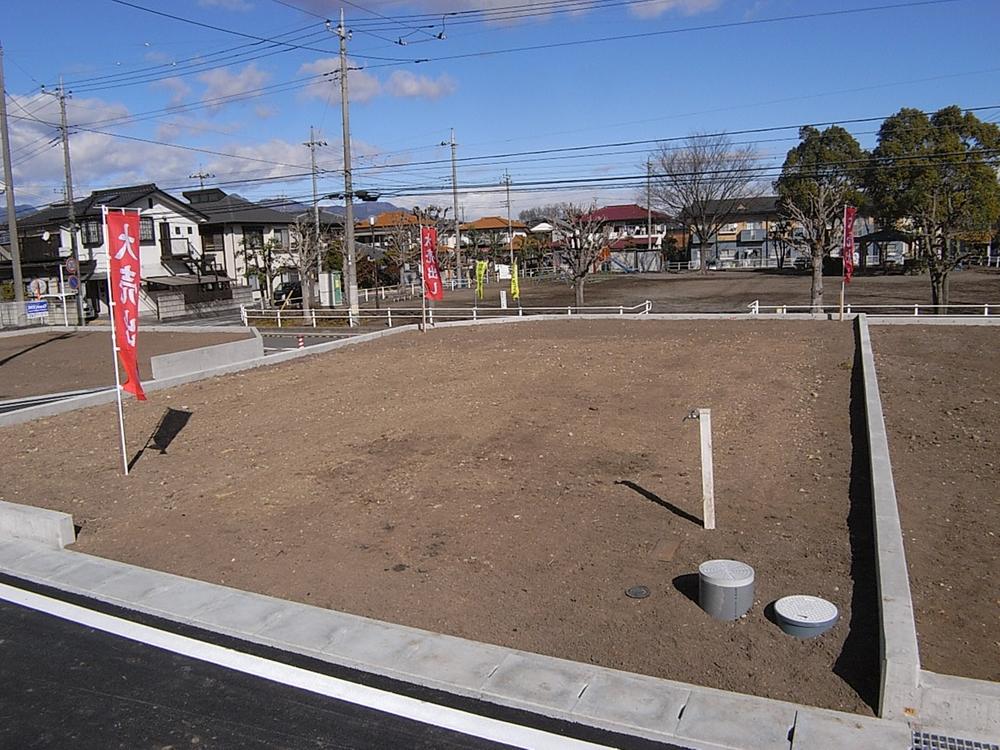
(48, 527)
(207, 357)
(899, 695)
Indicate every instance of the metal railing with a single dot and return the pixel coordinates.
(987, 308)
(403, 316)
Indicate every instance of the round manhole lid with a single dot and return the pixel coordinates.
(637, 592)
(726, 572)
(806, 610)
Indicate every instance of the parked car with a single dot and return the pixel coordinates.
(288, 293)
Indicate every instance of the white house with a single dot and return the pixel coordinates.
(177, 277)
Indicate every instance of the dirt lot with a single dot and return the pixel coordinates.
(942, 407)
(51, 362)
(507, 484)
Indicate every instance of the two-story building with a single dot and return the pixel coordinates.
(636, 237)
(177, 277)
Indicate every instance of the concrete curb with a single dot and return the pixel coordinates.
(49, 527)
(174, 364)
(929, 320)
(656, 709)
(899, 695)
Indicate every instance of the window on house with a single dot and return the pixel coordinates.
(177, 230)
(190, 230)
(92, 232)
(253, 238)
(146, 235)
(149, 203)
(282, 236)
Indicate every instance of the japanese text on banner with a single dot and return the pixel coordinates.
(433, 288)
(847, 250)
(124, 278)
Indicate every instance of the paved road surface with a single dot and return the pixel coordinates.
(66, 684)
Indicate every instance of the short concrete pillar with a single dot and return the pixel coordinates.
(725, 588)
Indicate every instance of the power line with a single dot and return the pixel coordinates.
(685, 30)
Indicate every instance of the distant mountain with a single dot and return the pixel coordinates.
(20, 209)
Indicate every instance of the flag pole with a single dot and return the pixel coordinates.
(114, 347)
(843, 262)
(843, 284)
(423, 281)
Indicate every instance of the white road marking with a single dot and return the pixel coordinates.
(333, 687)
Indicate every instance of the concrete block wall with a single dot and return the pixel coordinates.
(170, 305)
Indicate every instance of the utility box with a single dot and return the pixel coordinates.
(331, 292)
(725, 588)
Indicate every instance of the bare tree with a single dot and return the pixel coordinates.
(701, 183)
(307, 246)
(584, 235)
(402, 245)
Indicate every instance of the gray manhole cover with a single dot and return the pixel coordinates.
(637, 592)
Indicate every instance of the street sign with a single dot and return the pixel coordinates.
(74, 282)
(70, 265)
(37, 309)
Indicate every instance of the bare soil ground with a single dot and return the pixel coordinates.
(942, 406)
(50, 362)
(507, 484)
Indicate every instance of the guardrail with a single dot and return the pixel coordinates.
(404, 315)
(986, 308)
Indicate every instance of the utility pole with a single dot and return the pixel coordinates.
(649, 205)
(350, 270)
(312, 143)
(510, 231)
(201, 177)
(69, 200)
(454, 198)
(8, 180)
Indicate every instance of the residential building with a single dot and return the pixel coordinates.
(178, 278)
(234, 225)
(636, 237)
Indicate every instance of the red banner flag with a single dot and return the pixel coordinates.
(433, 288)
(847, 249)
(122, 233)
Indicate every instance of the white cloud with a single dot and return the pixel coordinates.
(223, 83)
(654, 8)
(362, 86)
(226, 4)
(176, 87)
(405, 83)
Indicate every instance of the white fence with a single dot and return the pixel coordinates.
(988, 309)
(403, 316)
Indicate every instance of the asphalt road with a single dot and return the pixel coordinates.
(68, 684)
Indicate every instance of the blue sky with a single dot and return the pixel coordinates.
(665, 69)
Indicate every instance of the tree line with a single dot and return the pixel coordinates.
(933, 177)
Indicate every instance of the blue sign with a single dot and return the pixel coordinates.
(74, 282)
(37, 309)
